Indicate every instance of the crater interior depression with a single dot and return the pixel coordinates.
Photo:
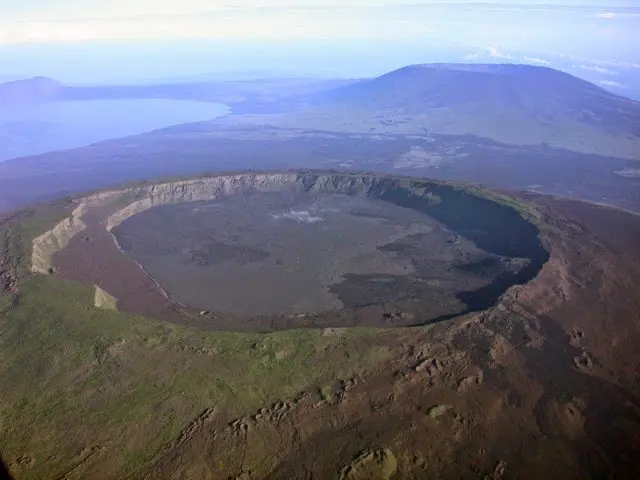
(269, 251)
(294, 252)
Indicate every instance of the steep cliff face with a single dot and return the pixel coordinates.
(208, 188)
(44, 246)
(147, 196)
(56, 239)
(495, 226)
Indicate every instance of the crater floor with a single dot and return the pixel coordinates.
(272, 251)
(292, 252)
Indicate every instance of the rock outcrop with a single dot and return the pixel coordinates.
(44, 246)
(104, 300)
(207, 188)
(56, 239)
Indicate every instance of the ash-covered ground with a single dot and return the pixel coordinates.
(289, 252)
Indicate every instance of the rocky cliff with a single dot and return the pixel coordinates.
(207, 188)
(488, 219)
(56, 239)
(146, 196)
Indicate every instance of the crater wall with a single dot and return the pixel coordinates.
(486, 218)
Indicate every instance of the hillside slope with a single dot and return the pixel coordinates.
(530, 388)
(513, 104)
(30, 90)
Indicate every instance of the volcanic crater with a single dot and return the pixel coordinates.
(268, 251)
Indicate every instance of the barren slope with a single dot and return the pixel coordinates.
(513, 104)
(544, 384)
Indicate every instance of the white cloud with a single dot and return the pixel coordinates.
(536, 61)
(613, 15)
(28, 32)
(256, 24)
(493, 52)
(48, 10)
(616, 63)
(610, 83)
(489, 52)
(590, 63)
(514, 24)
(596, 68)
(471, 56)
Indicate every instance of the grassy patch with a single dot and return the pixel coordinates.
(526, 210)
(13, 250)
(16, 236)
(326, 393)
(74, 376)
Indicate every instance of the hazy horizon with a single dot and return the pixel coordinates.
(84, 42)
(227, 253)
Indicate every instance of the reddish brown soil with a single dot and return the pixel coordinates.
(93, 257)
(544, 385)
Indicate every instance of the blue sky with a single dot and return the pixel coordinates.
(85, 39)
(455, 22)
(39, 21)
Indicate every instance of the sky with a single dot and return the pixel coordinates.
(35, 21)
(97, 40)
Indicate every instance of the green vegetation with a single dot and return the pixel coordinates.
(526, 210)
(40, 222)
(74, 377)
(16, 236)
(326, 393)
(13, 250)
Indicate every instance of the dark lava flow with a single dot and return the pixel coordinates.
(493, 227)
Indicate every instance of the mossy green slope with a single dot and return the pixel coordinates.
(80, 384)
(75, 377)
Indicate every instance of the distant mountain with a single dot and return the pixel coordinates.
(253, 95)
(42, 89)
(30, 90)
(514, 104)
(510, 104)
